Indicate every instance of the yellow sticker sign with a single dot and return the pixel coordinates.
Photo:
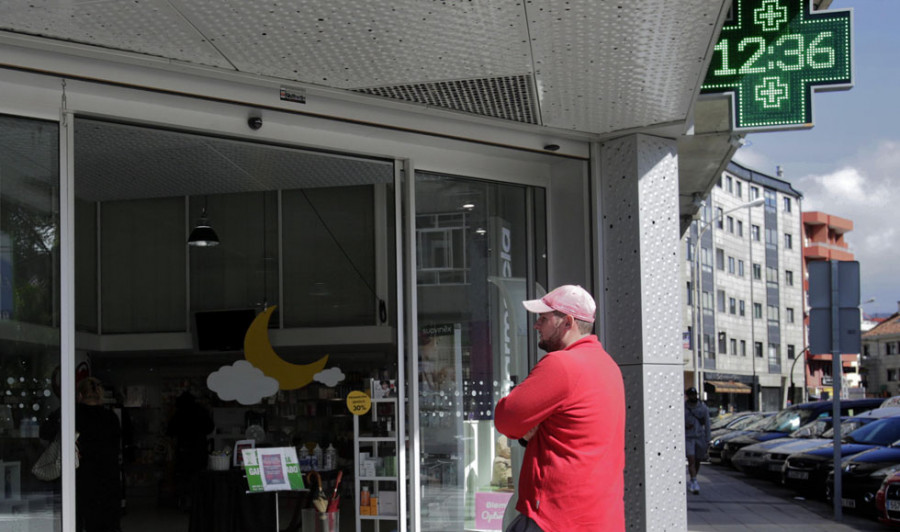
(358, 403)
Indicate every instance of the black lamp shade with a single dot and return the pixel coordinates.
(203, 235)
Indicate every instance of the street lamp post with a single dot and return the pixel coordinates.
(701, 230)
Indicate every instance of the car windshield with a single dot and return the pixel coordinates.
(846, 428)
(725, 421)
(812, 429)
(788, 420)
(882, 432)
(758, 424)
(744, 422)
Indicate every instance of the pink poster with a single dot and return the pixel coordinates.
(489, 508)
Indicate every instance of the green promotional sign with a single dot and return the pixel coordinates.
(773, 54)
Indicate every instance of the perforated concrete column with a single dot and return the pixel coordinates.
(637, 205)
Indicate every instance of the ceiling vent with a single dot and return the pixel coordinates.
(507, 97)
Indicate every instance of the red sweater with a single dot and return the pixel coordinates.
(572, 475)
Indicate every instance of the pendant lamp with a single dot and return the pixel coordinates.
(203, 234)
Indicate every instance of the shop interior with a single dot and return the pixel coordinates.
(307, 235)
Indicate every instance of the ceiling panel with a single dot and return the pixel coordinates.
(594, 66)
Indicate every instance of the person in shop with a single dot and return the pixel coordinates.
(697, 433)
(98, 495)
(189, 426)
(571, 411)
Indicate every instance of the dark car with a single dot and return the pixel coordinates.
(887, 500)
(739, 421)
(790, 419)
(807, 471)
(717, 444)
(862, 476)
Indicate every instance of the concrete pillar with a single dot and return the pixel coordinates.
(640, 289)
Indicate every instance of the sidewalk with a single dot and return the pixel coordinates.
(731, 501)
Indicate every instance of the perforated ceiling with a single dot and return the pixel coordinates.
(594, 66)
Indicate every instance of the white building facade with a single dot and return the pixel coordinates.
(750, 294)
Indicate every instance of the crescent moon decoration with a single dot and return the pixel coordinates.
(258, 351)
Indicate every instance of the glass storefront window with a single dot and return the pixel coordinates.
(472, 271)
(29, 320)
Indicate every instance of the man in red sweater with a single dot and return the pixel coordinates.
(571, 411)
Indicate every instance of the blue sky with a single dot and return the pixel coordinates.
(848, 164)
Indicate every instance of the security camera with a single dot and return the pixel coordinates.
(255, 122)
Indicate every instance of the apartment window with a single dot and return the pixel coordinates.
(757, 349)
(771, 238)
(722, 343)
(705, 258)
(733, 343)
(771, 275)
(770, 199)
(741, 309)
(789, 314)
(754, 232)
(754, 193)
(791, 352)
(740, 228)
(772, 312)
(787, 204)
(689, 252)
(720, 297)
(757, 271)
(743, 348)
(720, 259)
(729, 184)
(757, 311)
(888, 348)
(866, 350)
(789, 277)
(730, 264)
(738, 189)
(891, 374)
(719, 214)
(730, 225)
(788, 241)
(690, 293)
(707, 300)
(732, 305)
(740, 268)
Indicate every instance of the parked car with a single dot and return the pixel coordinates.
(767, 458)
(807, 471)
(862, 476)
(887, 500)
(790, 419)
(739, 421)
(717, 444)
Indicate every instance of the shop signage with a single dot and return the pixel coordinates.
(359, 403)
(272, 469)
(773, 54)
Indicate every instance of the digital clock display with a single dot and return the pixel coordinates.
(773, 54)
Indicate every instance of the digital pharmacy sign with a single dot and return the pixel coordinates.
(773, 54)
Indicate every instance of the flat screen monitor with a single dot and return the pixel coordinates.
(222, 330)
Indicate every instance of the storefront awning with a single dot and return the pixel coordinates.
(728, 387)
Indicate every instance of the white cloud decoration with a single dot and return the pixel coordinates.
(242, 382)
(329, 377)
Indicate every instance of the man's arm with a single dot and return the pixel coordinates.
(532, 401)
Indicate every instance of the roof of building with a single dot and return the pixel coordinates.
(762, 179)
(889, 327)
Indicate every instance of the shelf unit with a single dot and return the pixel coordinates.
(383, 449)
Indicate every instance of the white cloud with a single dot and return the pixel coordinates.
(329, 377)
(242, 382)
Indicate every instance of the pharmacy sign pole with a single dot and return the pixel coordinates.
(773, 54)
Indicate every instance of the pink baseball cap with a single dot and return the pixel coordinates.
(569, 299)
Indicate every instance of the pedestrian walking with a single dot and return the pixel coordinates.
(696, 435)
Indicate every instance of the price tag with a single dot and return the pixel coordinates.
(358, 403)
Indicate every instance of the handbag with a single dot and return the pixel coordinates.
(49, 465)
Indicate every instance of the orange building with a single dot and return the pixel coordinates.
(823, 239)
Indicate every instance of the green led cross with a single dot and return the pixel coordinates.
(770, 15)
(773, 54)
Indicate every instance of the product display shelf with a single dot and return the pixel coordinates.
(375, 433)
